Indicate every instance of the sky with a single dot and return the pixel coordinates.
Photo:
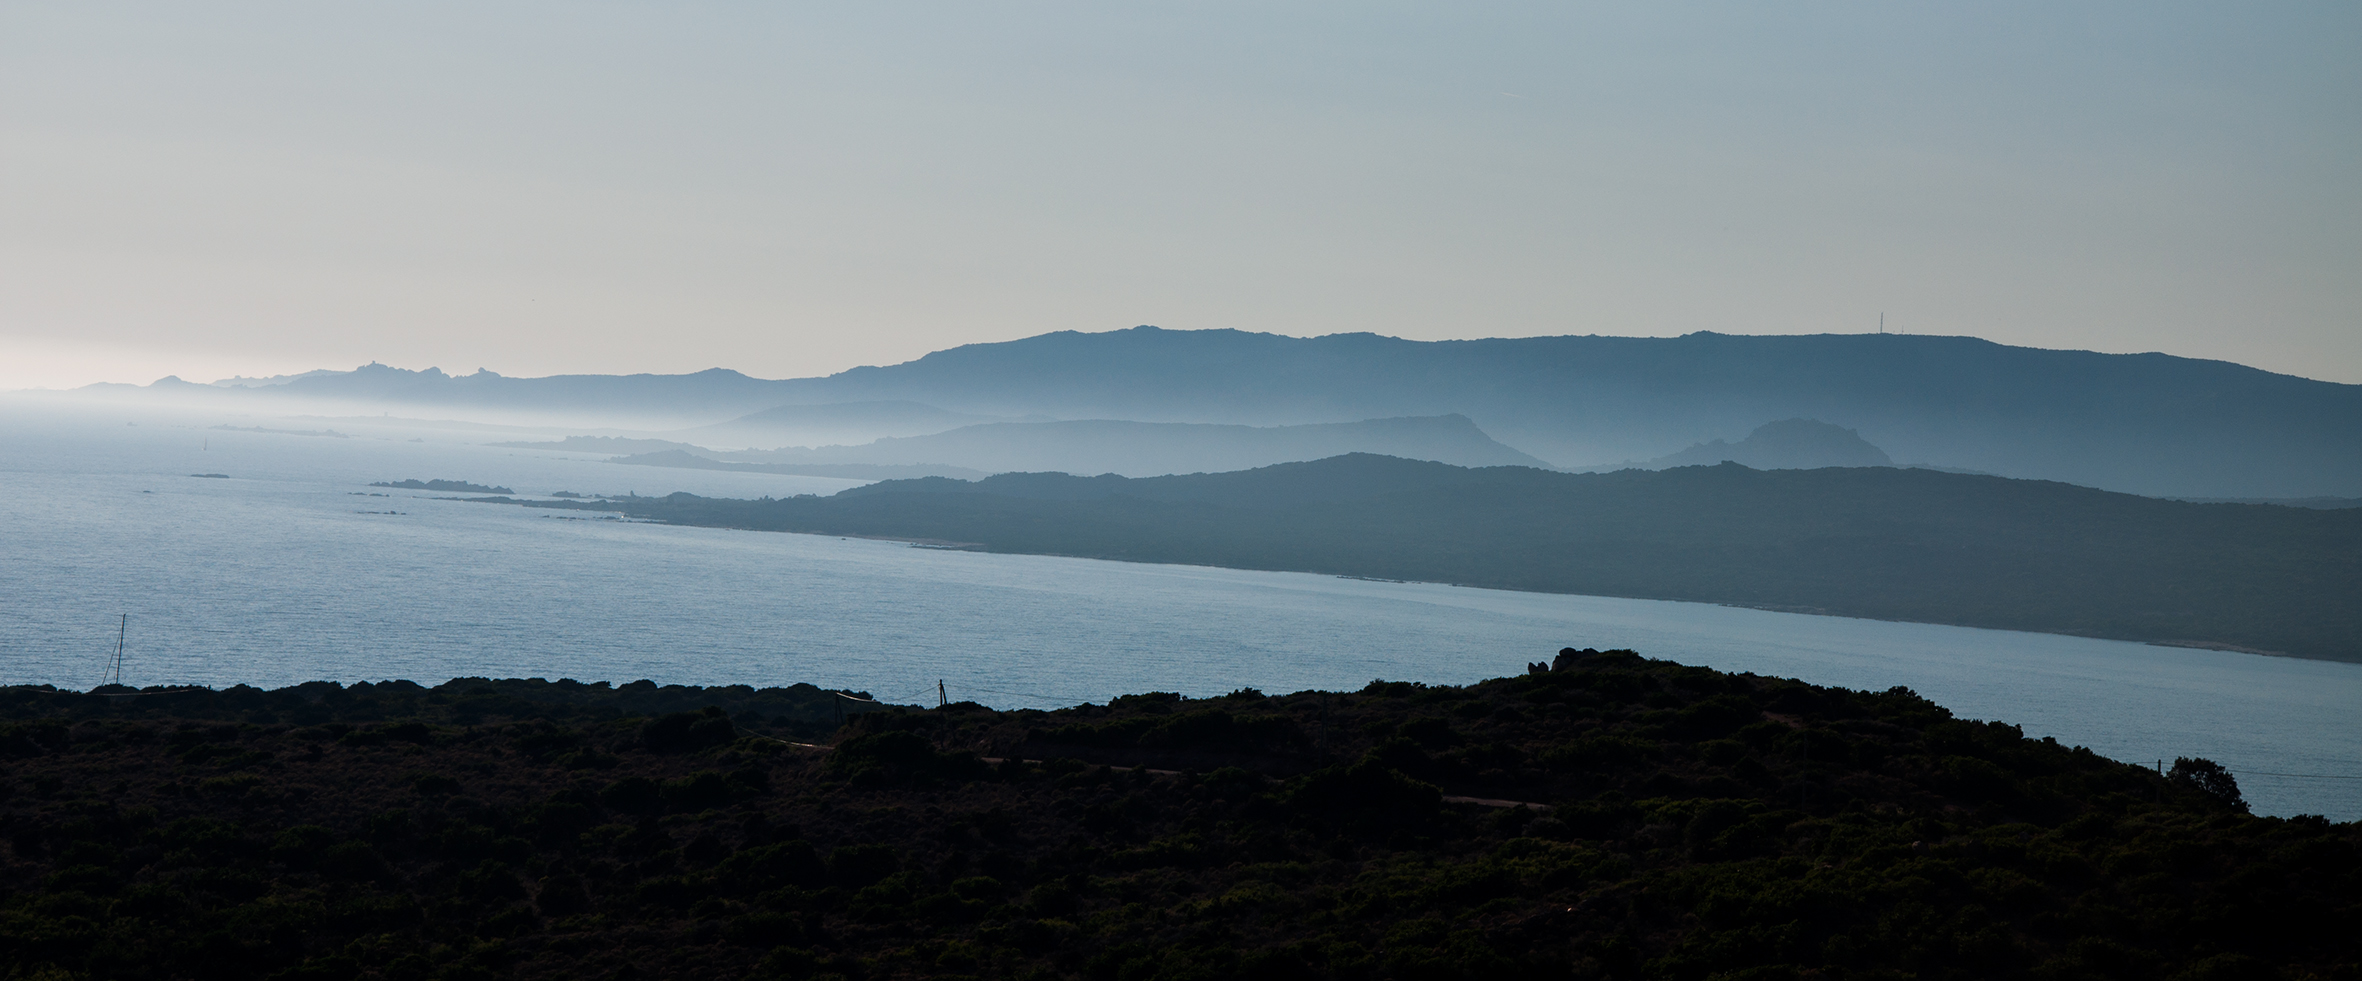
(793, 189)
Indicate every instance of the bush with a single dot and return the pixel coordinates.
(433, 784)
(857, 866)
(633, 795)
(687, 732)
(353, 860)
(900, 753)
(698, 791)
(767, 867)
(2208, 777)
(1367, 785)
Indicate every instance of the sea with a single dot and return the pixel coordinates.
(291, 567)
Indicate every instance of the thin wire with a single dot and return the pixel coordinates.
(850, 697)
(917, 696)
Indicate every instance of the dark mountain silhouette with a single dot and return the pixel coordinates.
(2142, 423)
(1883, 542)
(1790, 444)
(1152, 448)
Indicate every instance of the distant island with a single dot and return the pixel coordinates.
(1600, 815)
(212, 476)
(1887, 543)
(448, 486)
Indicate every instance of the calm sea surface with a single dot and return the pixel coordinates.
(285, 572)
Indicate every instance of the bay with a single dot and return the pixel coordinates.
(288, 570)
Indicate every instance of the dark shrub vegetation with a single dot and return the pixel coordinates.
(1696, 825)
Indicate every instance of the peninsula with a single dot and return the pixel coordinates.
(1879, 542)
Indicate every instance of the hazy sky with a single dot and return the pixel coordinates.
(792, 189)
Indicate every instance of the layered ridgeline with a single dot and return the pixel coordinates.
(1096, 446)
(1889, 543)
(1090, 446)
(1691, 825)
(2147, 423)
(1789, 444)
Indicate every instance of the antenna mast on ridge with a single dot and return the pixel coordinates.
(115, 667)
(1882, 321)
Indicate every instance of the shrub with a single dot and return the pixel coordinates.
(767, 867)
(857, 866)
(900, 753)
(433, 784)
(1366, 785)
(686, 732)
(698, 791)
(353, 860)
(1716, 717)
(633, 795)
(2208, 777)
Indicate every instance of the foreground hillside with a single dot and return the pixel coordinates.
(1916, 545)
(1700, 825)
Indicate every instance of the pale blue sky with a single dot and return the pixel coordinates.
(791, 189)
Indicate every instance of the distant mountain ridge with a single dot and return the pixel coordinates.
(697, 398)
(1094, 446)
(2143, 423)
(1790, 444)
(1883, 542)
(2146, 423)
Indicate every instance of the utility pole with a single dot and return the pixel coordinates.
(115, 668)
(941, 699)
